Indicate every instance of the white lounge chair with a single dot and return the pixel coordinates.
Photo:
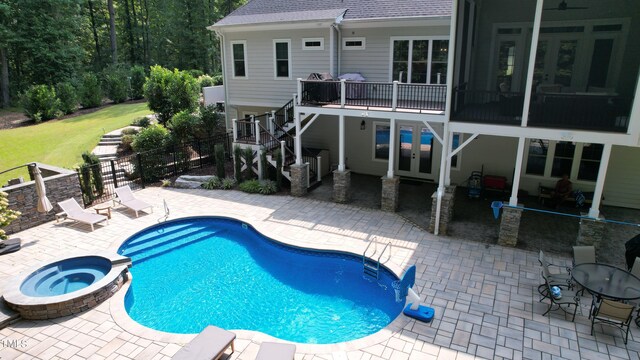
(76, 213)
(209, 344)
(126, 198)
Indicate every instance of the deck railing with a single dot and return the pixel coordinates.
(580, 111)
(393, 96)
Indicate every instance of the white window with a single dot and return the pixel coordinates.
(419, 60)
(282, 59)
(353, 43)
(239, 53)
(381, 137)
(581, 161)
(313, 44)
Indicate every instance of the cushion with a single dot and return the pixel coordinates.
(209, 344)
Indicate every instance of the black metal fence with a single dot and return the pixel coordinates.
(98, 182)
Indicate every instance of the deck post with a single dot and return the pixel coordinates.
(284, 154)
(392, 143)
(298, 96)
(343, 92)
(235, 129)
(319, 168)
(394, 97)
(528, 89)
(298, 138)
(594, 212)
(341, 165)
(256, 124)
(273, 122)
(513, 201)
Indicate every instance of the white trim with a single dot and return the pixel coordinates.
(313, 48)
(354, 47)
(373, 142)
(233, 59)
(409, 66)
(275, 60)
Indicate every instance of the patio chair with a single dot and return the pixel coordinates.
(273, 351)
(584, 254)
(569, 297)
(126, 198)
(76, 213)
(635, 269)
(612, 313)
(211, 343)
(556, 279)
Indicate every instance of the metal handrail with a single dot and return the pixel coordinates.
(383, 250)
(364, 254)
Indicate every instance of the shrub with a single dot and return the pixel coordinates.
(195, 73)
(137, 82)
(279, 169)
(218, 150)
(85, 183)
(205, 81)
(152, 162)
(264, 164)
(68, 97)
(90, 92)
(129, 131)
(169, 92)
(213, 183)
(248, 156)
(165, 182)
(237, 162)
(250, 186)
(150, 138)
(116, 83)
(217, 79)
(40, 103)
(125, 144)
(268, 187)
(141, 122)
(183, 125)
(211, 122)
(6, 215)
(93, 162)
(228, 183)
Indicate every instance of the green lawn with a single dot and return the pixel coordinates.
(61, 143)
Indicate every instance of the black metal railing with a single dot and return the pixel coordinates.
(312, 160)
(490, 107)
(99, 181)
(378, 95)
(284, 114)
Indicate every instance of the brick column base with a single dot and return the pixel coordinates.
(298, 179)
(342, 186)
(390, 193)
(446, 213)
(591, 232)
(509, 226)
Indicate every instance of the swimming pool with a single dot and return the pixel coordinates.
(193, 272)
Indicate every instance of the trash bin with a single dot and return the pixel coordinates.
(633, 250)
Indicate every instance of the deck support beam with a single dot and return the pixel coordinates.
(341, 140)
(392, 147)
(594, 211)
(298, 138)
(513, 200)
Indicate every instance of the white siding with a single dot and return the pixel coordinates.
(261, 87)
(622, 186)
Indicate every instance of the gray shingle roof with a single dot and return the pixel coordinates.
(264, 11)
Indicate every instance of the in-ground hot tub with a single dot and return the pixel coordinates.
(67, 285)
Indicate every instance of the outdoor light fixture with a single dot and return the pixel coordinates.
(363, 125)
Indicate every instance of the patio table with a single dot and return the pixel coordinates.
(607, 281)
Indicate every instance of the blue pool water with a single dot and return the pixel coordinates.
(65, 276)
(193, 272)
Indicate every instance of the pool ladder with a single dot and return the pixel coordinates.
(370, 267)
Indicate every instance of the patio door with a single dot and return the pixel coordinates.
(415, 146)
(556, 61)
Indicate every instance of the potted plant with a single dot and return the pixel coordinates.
(6, 217)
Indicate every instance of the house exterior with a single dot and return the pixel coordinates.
(438, 89)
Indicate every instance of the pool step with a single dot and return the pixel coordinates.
(176, 244)
(167, 239)
(370, 270)
(174, 231)
(7, 316)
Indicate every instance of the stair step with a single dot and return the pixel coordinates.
(111, 136)
(110, 142)
(174, 245)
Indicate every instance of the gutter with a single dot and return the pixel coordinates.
(338, 46)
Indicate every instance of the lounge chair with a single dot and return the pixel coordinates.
(276, 351)
(126, 198)
(76, 213)
(209, 344)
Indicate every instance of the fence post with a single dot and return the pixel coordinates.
(113, 173)
(394, 97)
(343, 92)
(298, 95)
(284, 154)
(319, 168)
(175, 161)
(140, 169)
(273, 121)
(199, 151)
(256, 124)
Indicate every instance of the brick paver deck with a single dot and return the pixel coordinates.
(484, 295)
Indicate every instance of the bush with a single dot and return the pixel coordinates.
(137, 82)
(205, 81)
(218, 150)
(279, 169)
(217, 79)
(68, 97)
(237, 162)
(40, 103)
(116, 83)
(213, 183)
(125, 144)
(150, 138)
(169, 92)
(141, 122)
(195, 73)
(248, 156)
(268, 187)
(250, 186)
(90, 92)
(129, 131)
(6, 215)
(211, 122)
(93, 162)
(183, 126)
(264, 164)
(228, 183)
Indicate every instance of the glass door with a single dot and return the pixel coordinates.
(415, 144)
(555, 61)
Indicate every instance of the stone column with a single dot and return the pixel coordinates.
(446, 213)
(342, 186)
(509, 225)
(298, 179)
(390, 193)
(591, 231)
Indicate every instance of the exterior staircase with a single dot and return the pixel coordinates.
(108, 146)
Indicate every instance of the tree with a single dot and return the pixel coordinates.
(169, 92)
(5, 38)
(112, 31)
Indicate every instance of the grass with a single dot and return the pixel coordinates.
(61, 143)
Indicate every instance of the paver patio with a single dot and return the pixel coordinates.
(484, 295)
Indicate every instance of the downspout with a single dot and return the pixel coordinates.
(227, 105)
(444, 159)
(338, 45)
(332, 49)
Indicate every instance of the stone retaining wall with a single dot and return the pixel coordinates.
(61, 184)
(73, 306)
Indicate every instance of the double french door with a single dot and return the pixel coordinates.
(415, 151)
